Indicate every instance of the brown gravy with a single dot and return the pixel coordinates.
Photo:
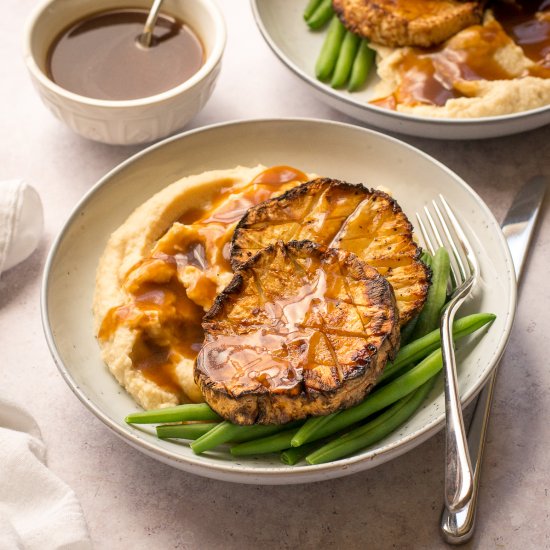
(98, 57)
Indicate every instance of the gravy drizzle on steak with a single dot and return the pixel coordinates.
(301, 330)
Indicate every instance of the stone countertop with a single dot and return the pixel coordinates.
(132, 501)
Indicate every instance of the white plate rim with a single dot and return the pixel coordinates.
(283, 474)
(336, 95)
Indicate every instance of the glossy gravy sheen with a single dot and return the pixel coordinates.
(98, 57)
(274, 357)
(427, 75)
(167, 321)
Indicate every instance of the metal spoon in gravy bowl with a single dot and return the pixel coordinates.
(145, 39)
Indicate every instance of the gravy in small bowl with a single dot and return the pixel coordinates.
(100, 57)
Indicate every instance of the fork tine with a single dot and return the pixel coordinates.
(425, 236)
(454, 270)
(464, 242)
(433, 226)
(463, 267)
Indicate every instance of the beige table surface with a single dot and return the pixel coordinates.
(131, 501)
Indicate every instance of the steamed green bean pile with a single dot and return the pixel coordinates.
(400, 391)
(345, 58)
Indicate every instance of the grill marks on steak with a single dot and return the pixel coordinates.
(366, 222)
(301, 330)
(394, 23)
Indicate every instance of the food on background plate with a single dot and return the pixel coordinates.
(368, 223)
(407, 22)
(495, 67)
(161, 271)
(478, 72)
(300, 331)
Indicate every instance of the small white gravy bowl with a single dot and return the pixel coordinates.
(129, 121)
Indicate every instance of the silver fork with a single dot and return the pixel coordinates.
(443, 229)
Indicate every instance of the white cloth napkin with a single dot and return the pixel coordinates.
(37, 510)
(21, 222)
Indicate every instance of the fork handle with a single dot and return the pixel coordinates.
(458, 468)
(518, 228)
(458, 527)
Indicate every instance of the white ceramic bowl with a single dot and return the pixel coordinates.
(137, 120)
(328, 148)
(282, 26)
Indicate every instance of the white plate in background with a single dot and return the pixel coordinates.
(329, 149)
(283, 27)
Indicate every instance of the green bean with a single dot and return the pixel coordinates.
(361, 66)
(329, 52)
(407, 331)
(373, 431)
(180, 413)
(264, 431)
(383, 397)
(310, 8)
(226, 431)
(265, 445)
(311, 426)
(295, 454)
(345, 60)
(426, 258)
(424, 346)
(321, 15)
(437, 295)
(184, 431)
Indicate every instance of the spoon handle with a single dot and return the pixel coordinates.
(147, 35)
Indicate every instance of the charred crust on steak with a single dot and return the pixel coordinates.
(407, 22)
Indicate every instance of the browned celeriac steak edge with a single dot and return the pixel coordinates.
(368, 223)
(301, 330)
(396, 23)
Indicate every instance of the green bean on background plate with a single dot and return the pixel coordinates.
(320, 15)
(345, 58)
(361, 67)
(331, 48)
(309, 10)
(344, 63)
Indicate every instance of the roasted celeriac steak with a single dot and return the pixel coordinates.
(396, 23)
(336, 214)
(301, 330)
